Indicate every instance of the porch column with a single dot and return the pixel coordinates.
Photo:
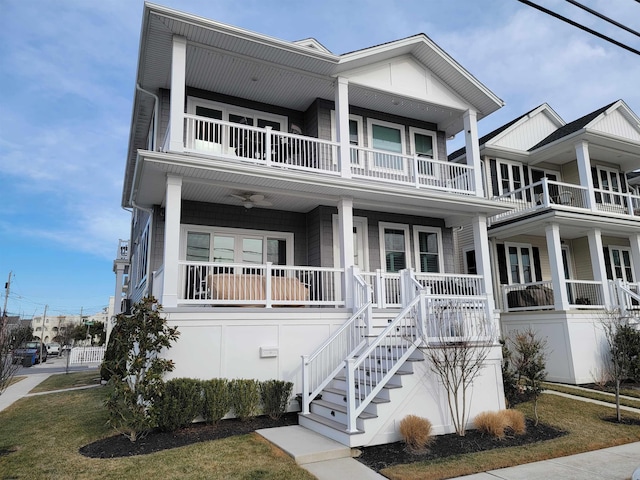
(342, 125)
(584, 171)
(345, 229)
(597, 263)
(171, 252)
(176, 104)
(554, 246)
(634, 241)
(483, 259)
(120, 268)
(473, 149)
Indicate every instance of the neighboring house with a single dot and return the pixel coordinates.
(570, 249)
(279, 192)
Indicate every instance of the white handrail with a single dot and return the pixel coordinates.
(319, 368)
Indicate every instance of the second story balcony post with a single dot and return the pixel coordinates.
(172, 208)
(584, 171)
(342, 125)
(345, 229)
(554, 245)
(178, 80)
(473, 149)
(634, 242)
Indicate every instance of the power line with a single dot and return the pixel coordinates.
(604, 17)
(581, 27)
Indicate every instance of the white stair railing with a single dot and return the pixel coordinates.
(626, 297)
(319, 368)
(371, 370)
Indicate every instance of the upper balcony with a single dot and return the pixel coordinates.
(266, 147)
(549, 195)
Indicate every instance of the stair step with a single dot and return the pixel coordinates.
(344, 379)
(339, 427)
(342, 409)
(339, 391)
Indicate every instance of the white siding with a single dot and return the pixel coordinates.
(528, 133)
(617, 124)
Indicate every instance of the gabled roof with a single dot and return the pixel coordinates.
(497, 133)
(572, 127)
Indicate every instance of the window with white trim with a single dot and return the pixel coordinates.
(609, 180)
(428, 249)
(141, 257)
(510, 177)
(228, 245)
(394, 246)
(355, 135)
(387, 137)
(520, 263)
(620, 261)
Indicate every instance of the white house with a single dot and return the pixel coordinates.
(569, 251)
(288, 201)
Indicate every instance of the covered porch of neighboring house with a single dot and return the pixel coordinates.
(569, 267)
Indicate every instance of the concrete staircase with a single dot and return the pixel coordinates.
(328, 411)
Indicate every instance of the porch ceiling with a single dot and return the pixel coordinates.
(298, 191)
(572, 225)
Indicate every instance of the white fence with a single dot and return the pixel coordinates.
(87, 355)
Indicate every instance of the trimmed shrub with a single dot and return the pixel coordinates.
(492, 423)
(416, 433)
(216, 399)
(245, 398)
(179, 404)
(275, 395)
(515, 421)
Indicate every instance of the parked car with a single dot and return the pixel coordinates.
(53, 349)
(28, 353)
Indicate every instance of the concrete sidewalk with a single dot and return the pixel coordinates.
(21, 388)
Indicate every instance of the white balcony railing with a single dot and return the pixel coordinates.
(581, 294)
(551, 194)
(265, 146)
(264, 285)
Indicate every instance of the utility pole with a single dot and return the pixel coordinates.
(7, 288)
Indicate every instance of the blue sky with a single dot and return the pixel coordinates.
(67, 70)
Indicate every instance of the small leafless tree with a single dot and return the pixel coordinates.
(620, 338)
(9, 339)
(456, 342)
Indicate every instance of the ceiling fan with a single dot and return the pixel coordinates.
(249, 200)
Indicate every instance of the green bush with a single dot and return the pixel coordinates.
(179, 404)
(275, 395)
(626, 343)
(245, 398)
(216, 399)
(145, 334)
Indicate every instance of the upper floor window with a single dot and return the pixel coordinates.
(423, 143)
(520, 263)
(506, 177)
(608, 180)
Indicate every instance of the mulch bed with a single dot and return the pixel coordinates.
(376, 458)
(384, 456)
(155, 441)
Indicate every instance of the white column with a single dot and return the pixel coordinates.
(634, 241)
(178, 74)
(342, 125)
(483, 260)
(119, 268)
(473, 149)
(554, 246)
(597, 263)
(172, 208)
(584, 171)
(345, 229)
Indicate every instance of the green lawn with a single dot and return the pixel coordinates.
(61, 381)
(40, 437)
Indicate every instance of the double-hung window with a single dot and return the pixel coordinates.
(394, 240)
(388, 139)
(423, 145)
(355, 136)
(428, 249)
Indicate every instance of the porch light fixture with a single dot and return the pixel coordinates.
(247, 205)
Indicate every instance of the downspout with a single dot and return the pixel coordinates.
(156, 102)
